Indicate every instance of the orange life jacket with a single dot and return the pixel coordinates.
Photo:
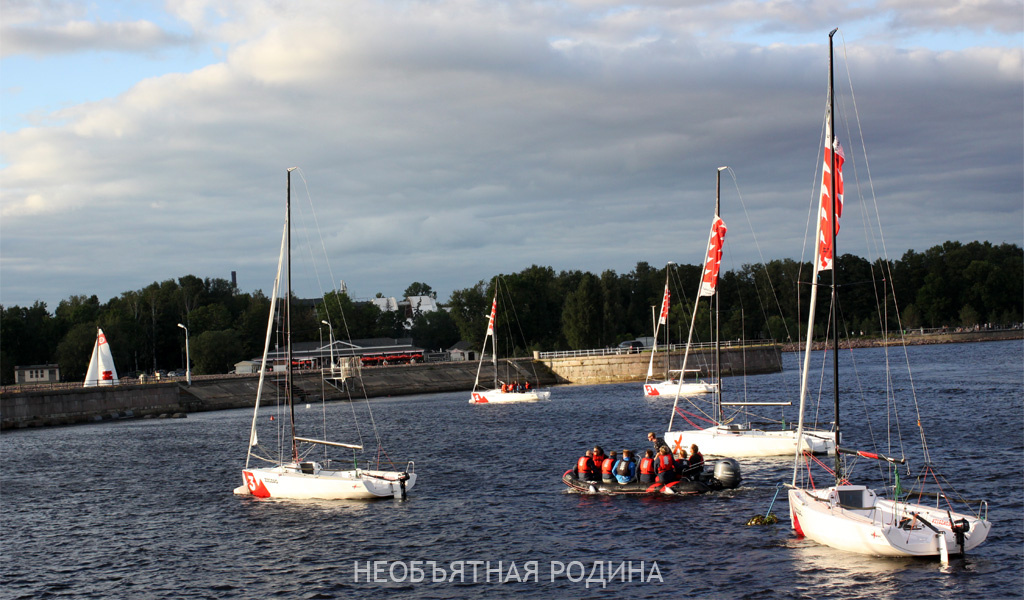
(646, 466)
(665, 463)
(606, 466)
(583, 465)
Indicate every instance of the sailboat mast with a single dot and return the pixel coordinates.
(494, 342)
(835, 254)
(718, 341)
(288, 313)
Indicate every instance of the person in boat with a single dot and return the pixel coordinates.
(526, 386)
(681, 464)
(646, 469)
(585, 470)
(598, 457)
(694, 464)
(665, 466)
(608, 468)
(656, 440)
(625, 468)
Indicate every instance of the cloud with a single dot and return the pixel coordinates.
(446, 141)
(77, 36)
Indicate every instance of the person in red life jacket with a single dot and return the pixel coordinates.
(607, 472)
(599, 457)
(527, 386)
(665, 466)
(504, 387)
(646, 472)
(585, 469)
(695, 464)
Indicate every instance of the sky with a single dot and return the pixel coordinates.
(445, 141)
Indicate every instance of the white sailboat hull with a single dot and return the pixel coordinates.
(671, 388)
(873, 528)
(290, 482)
(499, 397)
(725, 440)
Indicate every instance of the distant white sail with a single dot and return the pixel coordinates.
(101, 365)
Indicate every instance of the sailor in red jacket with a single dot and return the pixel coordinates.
(598, 457)
(585, 468)
(607, 473)
(666, 466)
(646, 470)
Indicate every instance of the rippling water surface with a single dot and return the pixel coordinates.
(144, 508)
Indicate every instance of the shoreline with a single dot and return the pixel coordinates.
(915, 339)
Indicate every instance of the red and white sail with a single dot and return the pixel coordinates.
(713, 260)
(826, 233)
(666, 298)
(101, 365)
(490, 321)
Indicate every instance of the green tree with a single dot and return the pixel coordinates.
(420, 289)
(581, 317)
(216, 351)
(435, 330)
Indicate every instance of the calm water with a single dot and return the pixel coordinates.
(144, 508)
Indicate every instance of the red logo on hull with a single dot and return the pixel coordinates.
(256, 487)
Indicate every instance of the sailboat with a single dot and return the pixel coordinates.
(725, 438)
(507, 392)
(291, 474)
(671, 384)
(101, 365)
(850, 517)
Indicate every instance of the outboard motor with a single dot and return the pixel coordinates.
(727, 473)
(959, 529)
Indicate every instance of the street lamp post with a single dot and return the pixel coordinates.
(188, 367)
(331, 339)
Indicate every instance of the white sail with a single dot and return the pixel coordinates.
(101, 365)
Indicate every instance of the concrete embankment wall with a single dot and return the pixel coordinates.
(41, 406)
(68, 406)
(618, 368)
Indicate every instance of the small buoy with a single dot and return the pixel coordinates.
(769, 519)
(271, 417)
(307, 406)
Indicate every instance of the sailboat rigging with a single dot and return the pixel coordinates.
(506, 392)
(672, 385)
(291, 475)
(724, 438)
(845, 516)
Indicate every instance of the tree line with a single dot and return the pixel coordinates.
(950, 285)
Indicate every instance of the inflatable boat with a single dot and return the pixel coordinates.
(724, 475)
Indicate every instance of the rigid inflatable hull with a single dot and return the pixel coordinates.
(676, 488)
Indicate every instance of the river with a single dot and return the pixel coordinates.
(144, 509)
